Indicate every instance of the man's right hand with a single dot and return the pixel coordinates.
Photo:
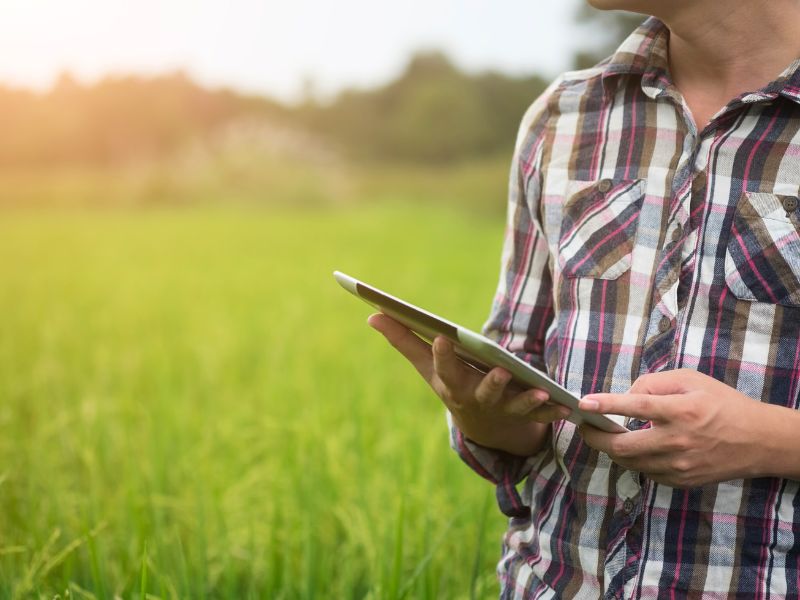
(484, 407)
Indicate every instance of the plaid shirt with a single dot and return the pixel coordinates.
(637, 244)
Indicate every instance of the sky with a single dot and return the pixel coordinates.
(275, 48)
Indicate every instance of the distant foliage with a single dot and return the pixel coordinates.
(433, 113)
(118, 119)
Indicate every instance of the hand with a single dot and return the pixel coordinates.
(484, 407)
(702, 431)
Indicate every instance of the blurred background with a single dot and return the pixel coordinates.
(189, 406)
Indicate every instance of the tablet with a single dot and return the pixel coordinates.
(474, 349)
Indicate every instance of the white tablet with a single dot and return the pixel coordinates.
(474, 349)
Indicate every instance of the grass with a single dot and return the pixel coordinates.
(190, 406)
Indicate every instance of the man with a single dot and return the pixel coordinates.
(651, 265)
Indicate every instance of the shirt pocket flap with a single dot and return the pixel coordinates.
(598, 227)
(762, 260)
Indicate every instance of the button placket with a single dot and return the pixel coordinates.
(699, 181)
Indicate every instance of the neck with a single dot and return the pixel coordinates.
(734, 46)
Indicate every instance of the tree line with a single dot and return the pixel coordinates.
(432, 112)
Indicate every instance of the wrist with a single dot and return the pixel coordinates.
(514, 437)
(778, 448)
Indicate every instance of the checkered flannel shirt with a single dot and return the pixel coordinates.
(636, 243)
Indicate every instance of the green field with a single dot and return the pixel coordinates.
(190, 407)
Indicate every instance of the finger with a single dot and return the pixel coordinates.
(657, 464)
(526, 403)
(645, 407)
(597, 439)
(682, 476)
(549, 413)
(664, 382)
(448, 367)
(664, 469)
(668, 480)
(406, 342)
(492, 387)
(637, 451)
(630, 447)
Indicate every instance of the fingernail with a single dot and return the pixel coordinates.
(440, 345)
(541, 395)
(501, 378)
(588, 404)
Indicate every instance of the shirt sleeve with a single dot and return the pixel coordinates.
(522, 309)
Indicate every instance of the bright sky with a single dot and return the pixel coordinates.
(272, 47)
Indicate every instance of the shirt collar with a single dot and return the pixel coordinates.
(646, 53)
(643, 53)
(788, 83)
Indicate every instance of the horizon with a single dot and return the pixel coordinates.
(223, 87)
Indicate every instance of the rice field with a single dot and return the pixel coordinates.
(190, 407)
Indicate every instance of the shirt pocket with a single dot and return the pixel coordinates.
(598, 227)
(762, 260)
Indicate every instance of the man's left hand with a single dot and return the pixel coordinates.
(701, 430)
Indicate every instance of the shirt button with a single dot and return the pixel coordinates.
(664, 324)
(627, 506)
(604, 185)
(790, 204)
(677, 233)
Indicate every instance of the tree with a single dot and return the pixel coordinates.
(433, 113)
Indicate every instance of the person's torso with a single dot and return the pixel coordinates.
(668, 249)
